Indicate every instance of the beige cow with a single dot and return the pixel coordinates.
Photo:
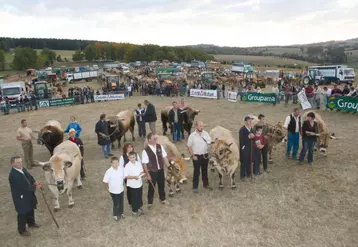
(62, 170)
(225, 154)
(324, 134)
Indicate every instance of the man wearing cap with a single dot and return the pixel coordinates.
(79, 143)
(245, 137)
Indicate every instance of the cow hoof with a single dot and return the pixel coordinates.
(233, 187)
(171, 194)
(270, 161)
(133, 139)
(177, 190)
(71, 206)
(79, 187)
(56, 210)
(221, 186)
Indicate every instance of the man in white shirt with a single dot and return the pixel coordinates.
(154, 157)
(113, 180)
(293, 125)
(133, 172)
(25, 135)
(198, 144)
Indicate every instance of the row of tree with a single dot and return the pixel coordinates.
(54, 44)
(129, 53)
(26, 58)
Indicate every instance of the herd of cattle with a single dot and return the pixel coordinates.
(63, 168)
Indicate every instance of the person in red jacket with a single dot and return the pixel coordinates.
(259, 143)
(79, 143)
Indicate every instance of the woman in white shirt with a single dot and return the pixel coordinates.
(133, 173)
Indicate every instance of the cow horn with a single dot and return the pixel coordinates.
(42, 163)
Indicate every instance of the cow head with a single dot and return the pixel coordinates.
(174, 169)
(57, 166)
(278, 132)
(188, 116)
(221, 149)
(114, 126)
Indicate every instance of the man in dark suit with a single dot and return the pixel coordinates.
(150, 116)
(102, 135)
(245, 137)
(174, 117)
(23, 187)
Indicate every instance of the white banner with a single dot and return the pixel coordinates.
(103, 97)
(232, 96)
(210, 94)
(302, 98)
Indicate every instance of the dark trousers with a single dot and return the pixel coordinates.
(82, 171)
(264, 152)
(257, 160)
(157, 177)
(245, 167)
(141, 129)
(129, 195)
(200, 164)
(308, 145)
(23, 219)
(136, 198)
(117, 204)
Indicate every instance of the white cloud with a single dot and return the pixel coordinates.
(183, 22)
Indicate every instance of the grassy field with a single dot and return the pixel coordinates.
(276, 50)
(294, 205)
(261, 60)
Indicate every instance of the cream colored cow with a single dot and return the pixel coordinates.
(62, 170)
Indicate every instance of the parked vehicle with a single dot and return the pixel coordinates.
(88, 76)
(328, 74)
(12, 91)
(42, 90)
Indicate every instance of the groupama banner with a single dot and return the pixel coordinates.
(343, 103)
(269, 98)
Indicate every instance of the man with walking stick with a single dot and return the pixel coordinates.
(23, 187)
(245, 137)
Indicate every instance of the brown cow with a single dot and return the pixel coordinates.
(186, 119)
(173, 154)
(118, 126)
(278, 134)
(51, 135)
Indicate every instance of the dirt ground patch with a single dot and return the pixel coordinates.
(292, 206)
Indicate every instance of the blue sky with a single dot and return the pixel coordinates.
(182, 22)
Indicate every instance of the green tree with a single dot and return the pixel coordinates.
(50, 56)
(59, 58)
(24, 58)
(42, 61)
(2, 59)
(78, 56)
(90, 52)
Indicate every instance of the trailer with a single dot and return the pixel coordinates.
(88, 76)
(328, 74)
(12, 91)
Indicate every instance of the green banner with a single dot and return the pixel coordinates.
(61, 102)
(269, 98)
(165, 70)
(343, 103)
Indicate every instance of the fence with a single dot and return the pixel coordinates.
(269, 98)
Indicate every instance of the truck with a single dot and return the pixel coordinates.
(12, 91)
(42, 90)
(241, 68)
(88, 75)
(328, 74)
(109, 66)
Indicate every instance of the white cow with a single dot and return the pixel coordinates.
(62, 170)
(225, 154)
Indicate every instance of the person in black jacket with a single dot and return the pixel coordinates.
(175, 121)
(23, 187)
(102, 135)
(150, 116)
(245, 137)
(309, 136)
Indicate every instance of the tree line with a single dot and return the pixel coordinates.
(130, 53)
